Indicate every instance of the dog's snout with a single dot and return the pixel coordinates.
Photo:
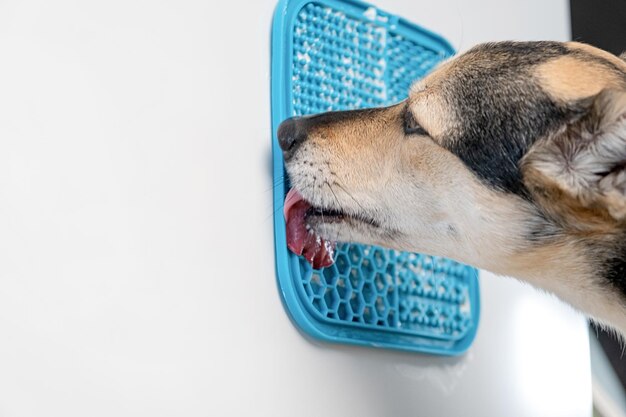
(291, 133)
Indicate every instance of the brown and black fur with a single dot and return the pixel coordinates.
(530, 131)
(519, 110)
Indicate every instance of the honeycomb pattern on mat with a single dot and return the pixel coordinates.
(379, 288)
(341, 62)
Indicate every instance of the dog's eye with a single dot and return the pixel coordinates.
(411, 127)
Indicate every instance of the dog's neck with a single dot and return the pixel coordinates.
(560, 268)
(508, 236)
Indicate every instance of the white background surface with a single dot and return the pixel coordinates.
(136, 254)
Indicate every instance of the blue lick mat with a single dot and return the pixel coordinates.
(339, 55)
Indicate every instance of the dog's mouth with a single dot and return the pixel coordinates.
(301, 238)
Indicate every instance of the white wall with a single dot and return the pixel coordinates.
(136, 257)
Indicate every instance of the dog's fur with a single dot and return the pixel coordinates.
(510, 157)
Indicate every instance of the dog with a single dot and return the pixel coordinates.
(510, 157)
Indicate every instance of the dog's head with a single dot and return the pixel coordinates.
(505, 149)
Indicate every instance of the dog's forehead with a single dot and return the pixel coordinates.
(565, 71)
(490, 61)
(488, 81)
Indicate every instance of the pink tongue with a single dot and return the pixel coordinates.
(317, 251)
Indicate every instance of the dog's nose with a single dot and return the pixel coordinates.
(291, 133)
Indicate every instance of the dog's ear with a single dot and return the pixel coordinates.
(580, 170)
(623, 56)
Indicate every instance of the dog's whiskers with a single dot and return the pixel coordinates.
(338, 205)
(350, 195)
(314, 199)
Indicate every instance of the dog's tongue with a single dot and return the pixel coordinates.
(317, 251)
